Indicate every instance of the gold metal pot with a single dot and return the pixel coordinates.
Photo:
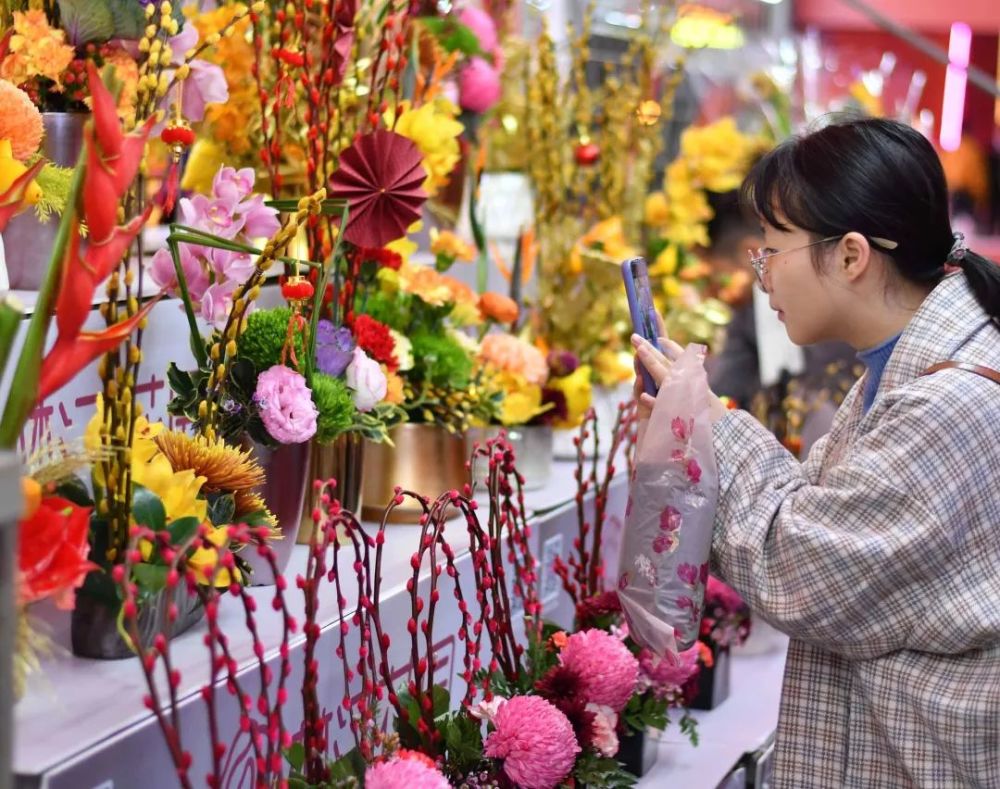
(342, 460)
(425, 459)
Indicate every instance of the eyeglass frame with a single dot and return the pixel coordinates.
(758, 258)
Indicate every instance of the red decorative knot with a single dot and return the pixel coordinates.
(297, 288)
(178, 135)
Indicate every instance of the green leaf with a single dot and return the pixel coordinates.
(453, 35)
(594, 770)
(463, 739)
(150, 577)
(87, 20)
(296, 755)
(347, 767)
(74, 489)
(130, 19)
(147, 509)
(180, 381)
(221, 509)
(183, 529)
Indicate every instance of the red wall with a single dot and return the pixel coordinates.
(924, 15)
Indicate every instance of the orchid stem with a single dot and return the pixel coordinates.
(24, 384)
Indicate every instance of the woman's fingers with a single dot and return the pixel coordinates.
(670, 348)
(655, 363)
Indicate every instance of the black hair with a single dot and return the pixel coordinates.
(731, 222)
(880, 178)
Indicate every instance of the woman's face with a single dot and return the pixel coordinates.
(803, 297)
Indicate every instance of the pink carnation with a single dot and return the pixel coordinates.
(514, 355)
(535, 741)
(286, 405)
(478, 86)
(608, 670)
(401, 772)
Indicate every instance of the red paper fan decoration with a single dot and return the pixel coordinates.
(381, 177)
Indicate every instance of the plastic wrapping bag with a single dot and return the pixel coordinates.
(663, 564)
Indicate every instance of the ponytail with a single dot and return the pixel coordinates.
(982, 274)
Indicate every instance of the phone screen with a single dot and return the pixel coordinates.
(644, 294)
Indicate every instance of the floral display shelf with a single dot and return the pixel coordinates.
(79, 720)
(743, 724)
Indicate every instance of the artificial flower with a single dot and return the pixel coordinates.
(404, 772)
(479, 86)
(497, 307)
(512, 354)
(52, 551)
(286, 405)
(366, 379)
(608, 670)
(434, 130)
(224, 467)
(334, 348)
(204, 560)
(36, 50)
(535, 741)
(20, 121)
(576, 389)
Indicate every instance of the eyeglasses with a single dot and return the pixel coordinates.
(760, 256)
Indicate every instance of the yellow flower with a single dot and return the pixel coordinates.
(665, 264)
(394, 392)
(576, 389)
(607, 239)
(11, 169)
(434, 129)
(36, 50)
(522, 404)
(206, 157)
(613, 367)
(204, 560)
(424, 282)
(657, 211)
(405, 246)
(225, 468)
(448, 244)
(872, 105)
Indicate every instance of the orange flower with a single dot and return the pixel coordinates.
(36, 50)
(705, 653)
(497, 307)
(393, 388)
(20, 121)
(559, 639)
(446, 243)
(510, 354)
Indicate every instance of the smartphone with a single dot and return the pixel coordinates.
(640, 304)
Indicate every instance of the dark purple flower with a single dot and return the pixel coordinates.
(334, 348)
(562, 363)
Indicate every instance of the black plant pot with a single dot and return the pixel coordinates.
(637, 752)
(713, 683)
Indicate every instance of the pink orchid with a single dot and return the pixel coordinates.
(229, 180)
(227, 265)
(259, 221)
(216, 303)
(206, 84)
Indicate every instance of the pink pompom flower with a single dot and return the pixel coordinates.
(482, 26)
(535, 741)
(608, 670)
(404, 772)
(286, 405)
(478, 86)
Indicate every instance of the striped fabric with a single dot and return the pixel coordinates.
(880, 557)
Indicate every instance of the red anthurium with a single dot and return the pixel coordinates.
(71, 353)
(52, 551)
(11, 201)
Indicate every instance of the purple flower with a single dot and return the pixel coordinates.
(230, 182)
(285, 404)
(235, 266)
(216, 216)
(334, 348)
(206, 84)
(688, 573)
(217, 302)
(259, 221)
(162, 272)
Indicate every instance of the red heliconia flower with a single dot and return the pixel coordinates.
(52, 551)
(12, 200)
(112, 162)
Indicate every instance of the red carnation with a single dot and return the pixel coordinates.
(375, 339)
(381, 256)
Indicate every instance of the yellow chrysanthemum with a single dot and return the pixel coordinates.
(224, 467)
(435, 131)
(249, 502)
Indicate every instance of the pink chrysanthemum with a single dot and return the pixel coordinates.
(404, 772)
(608, 670)
(535, 741)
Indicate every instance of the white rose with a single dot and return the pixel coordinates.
(366, 379)
(403, 350)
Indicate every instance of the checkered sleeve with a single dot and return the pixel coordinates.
(863, 562)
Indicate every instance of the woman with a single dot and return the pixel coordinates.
(880, 556)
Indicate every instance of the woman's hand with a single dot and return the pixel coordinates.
(657, 364)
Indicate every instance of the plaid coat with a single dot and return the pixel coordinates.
(880, 557)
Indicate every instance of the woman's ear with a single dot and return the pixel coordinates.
(853, 256)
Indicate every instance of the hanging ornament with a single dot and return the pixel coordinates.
(587, 153)
(298, 291)
(178, 136)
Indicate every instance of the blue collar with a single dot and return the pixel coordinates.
(875, 359)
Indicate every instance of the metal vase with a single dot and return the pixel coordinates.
(28, 243)
(94, 623)
(342, 460)
(286, 478)
(426, 459)
(533, 451)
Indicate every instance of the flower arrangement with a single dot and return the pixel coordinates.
(726, 621)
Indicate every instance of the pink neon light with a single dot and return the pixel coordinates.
(953, 105)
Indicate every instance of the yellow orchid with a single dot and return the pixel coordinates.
(10, 170)
(433, 128)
